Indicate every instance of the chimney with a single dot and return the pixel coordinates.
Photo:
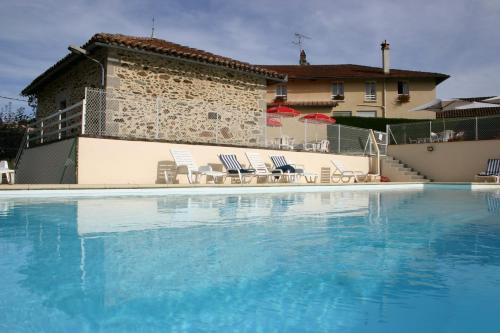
(303, 59)
(385, 57)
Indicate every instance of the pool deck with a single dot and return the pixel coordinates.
(25, 187)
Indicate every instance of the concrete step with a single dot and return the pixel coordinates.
(401, 171)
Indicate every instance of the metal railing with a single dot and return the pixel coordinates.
(445, 130)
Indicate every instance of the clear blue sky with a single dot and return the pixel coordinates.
(456, 37)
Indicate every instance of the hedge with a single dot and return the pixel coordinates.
(11, 137)
(378, 124)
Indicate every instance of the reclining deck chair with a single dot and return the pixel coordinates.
(184, 159)
(492, 171)
(260, 167)
(293, 171)
(234, 168)
(340, 173)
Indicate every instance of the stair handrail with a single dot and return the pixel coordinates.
(377, 150)
(24, 140)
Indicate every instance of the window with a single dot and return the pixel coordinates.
(342, 114)
(281, 91)
(338, 90)
(370, 91)
(367, 114)
(403, 88)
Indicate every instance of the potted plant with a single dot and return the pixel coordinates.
(405, 98)
(338, 97)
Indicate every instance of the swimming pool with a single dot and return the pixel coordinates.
(277, 260)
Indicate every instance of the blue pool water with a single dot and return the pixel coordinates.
(341, 261)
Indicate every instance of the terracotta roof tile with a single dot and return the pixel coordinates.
(160, 46)
(348, 71)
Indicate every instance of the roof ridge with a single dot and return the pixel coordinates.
(159, 46)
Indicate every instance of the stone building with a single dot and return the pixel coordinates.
(156, 89)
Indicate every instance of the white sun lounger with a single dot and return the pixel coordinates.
(492, 171)
(341, 173)
(280, 160)
(261, 169)
(184, 159)
(235, 169)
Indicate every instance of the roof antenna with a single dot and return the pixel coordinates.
(299, 40)
(153, 28)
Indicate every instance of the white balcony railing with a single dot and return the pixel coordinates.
(59, 125)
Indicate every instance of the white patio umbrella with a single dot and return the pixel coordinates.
(439, 105)
(493, 100)
(476, 105)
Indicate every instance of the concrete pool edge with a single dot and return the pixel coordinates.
(57, 190)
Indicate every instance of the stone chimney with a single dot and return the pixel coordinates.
(303, 59)
(385, 57)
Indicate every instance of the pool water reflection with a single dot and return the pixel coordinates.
(389, 261)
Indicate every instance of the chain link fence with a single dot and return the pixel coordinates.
(112, 114)
(445, 130)
(128, 116)
(53, 163)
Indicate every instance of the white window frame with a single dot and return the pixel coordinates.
(364, 113)
(407, 87)
(335, 86)
(281, 90)
(370, 97)
(344, 114)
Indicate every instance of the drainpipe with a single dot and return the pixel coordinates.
(384, 99)
(387, 70)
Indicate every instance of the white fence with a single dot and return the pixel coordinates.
(59, 125)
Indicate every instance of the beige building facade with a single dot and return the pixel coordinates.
(355, 90)
(311, 96)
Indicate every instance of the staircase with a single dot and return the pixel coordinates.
(397, 171)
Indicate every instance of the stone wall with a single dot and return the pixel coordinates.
(69, 84)
(157, 97)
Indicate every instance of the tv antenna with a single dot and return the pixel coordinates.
(153, 28)
(299, 40)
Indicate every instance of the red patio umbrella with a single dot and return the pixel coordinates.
(283, 111)
(315, 118)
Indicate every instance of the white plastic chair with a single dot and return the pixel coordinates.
(340, 173)
(183, 158)
(323, 146)
(9, 173)
(286, 142)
